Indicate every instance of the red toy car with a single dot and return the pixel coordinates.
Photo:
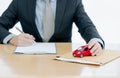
(82, 51)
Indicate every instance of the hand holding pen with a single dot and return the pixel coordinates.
(23, 39)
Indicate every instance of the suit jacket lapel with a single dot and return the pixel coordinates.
(59, 13)
(32, 6)
(31, 10)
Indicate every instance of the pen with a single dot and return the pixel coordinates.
(23, 32)
(19, 30)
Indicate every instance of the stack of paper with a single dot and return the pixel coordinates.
(37, 48)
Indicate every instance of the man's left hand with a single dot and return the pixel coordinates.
(94, 47)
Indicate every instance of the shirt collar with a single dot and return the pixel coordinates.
(53, 0)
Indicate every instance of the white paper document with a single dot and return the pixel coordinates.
(37, 48)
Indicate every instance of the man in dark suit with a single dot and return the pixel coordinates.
(30, 14)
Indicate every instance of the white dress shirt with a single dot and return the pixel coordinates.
(40, 9)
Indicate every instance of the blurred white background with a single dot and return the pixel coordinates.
(104, 13)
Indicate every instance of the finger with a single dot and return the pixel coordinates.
(32, 37)
(97, 52)
(28, 36)
(91, 44)
(26, 42)
(94, 47)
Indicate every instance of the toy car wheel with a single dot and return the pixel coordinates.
(74, 55)
(81, 56)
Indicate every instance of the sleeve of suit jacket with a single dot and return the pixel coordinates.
(84, 23)
(8, 20)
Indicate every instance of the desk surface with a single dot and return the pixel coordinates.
(44, 66)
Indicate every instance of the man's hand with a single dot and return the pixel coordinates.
(22, 40)
(94, 47)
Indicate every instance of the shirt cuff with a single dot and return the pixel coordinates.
(7, 38)
(100, 41)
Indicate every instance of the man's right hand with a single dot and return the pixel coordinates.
(22, 40)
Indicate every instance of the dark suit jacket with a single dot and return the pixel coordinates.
(67, 12)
